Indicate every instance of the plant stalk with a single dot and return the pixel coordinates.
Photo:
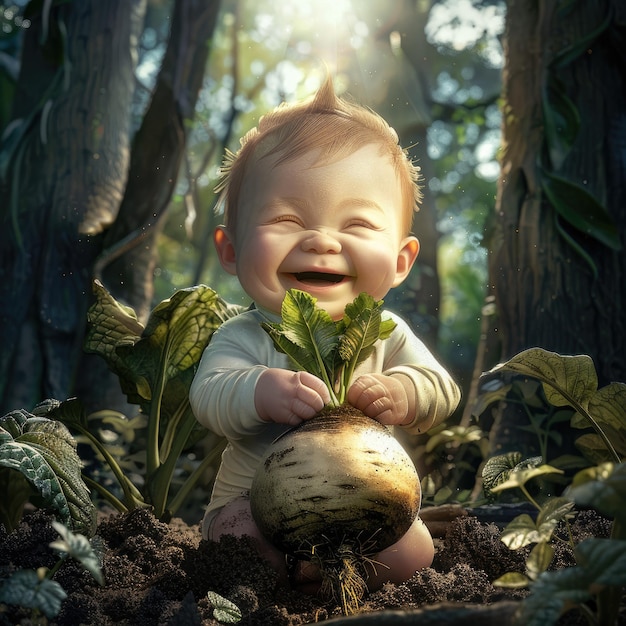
(154, 420)
(194, 477)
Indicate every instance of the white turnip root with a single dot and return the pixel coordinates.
(336, 491)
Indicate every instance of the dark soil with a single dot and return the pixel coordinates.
(159, 574)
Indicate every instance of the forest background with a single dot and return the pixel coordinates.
(114, 117)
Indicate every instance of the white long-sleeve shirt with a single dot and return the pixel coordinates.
(222, 392)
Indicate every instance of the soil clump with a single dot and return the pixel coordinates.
(159, 574)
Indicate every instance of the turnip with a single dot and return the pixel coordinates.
(339, 488)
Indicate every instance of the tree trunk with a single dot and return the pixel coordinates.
(64, 185)
(546, 292)
(86, 204)
(126, 265)
(129, 257)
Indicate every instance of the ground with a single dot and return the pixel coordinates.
(159, 574)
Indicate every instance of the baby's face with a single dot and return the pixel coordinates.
(331, 230)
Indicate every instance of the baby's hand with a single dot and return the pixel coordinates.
(287, 397)
(383, 398)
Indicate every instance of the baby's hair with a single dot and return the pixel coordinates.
(332, 125)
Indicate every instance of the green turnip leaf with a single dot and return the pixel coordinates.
(328, 349)
(363, 328)
(306, 325)
(572, 381)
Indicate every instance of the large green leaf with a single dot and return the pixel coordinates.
(43, 451)
(561, 121)
(609, 405)
(603, 488)
(580, 209)
(567, 379)
(572, 381)
(165, 351)
(110, 324)
(604, 560)
(601, 562)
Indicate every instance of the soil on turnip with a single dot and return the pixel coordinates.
(159, 574)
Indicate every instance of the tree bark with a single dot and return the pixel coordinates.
(126, 265)
(64, 185)
(545, 291)
(128, 261)
(85, 203)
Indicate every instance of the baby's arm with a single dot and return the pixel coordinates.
(288, 397)
(243, 382)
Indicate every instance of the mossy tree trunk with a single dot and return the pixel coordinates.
(558, 286)
(76, 194)
(556, 266)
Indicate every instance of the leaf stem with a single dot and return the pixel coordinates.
(115, 502)
(194, 477)
(529, 497)
(132, 495)
(154, 419)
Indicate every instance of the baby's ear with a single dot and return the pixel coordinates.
(225, 249)
(409, 249)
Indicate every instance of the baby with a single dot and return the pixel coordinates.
(320, 197)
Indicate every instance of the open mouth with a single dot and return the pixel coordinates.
(319, 278)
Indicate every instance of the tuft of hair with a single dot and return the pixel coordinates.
(324, 122)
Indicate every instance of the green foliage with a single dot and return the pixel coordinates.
(572, 203)
(155, 365)
(572, 381)
(39, 463)
(330, 350)
(36, 590)
(32, 590)
(224, 611)
(78, 547)
(451, 453)
(600, 563)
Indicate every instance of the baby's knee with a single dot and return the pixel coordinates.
(397, 563)
(234, 518)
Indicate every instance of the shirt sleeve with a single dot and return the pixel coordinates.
(222, 391)
(436, 393)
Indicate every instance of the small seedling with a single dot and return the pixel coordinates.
(224, 611)
(36, 590)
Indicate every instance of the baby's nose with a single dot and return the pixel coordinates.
(321, 241)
